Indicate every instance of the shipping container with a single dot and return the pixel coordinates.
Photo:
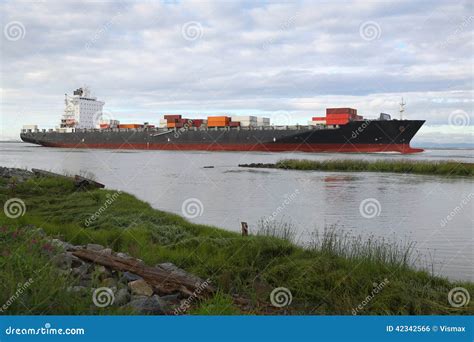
(316, 122)
(218, 121)
(175, 125)
(218, 118)
(104, 126)
(351, 111)
(319, 118)
(234, 124)
(172, 116)
(336, 122)
(130, 126)
(339, 116)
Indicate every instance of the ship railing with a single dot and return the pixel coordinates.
(227, 128)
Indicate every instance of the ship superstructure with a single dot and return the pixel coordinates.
(82, 110)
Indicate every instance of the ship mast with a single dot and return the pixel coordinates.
(402, 108)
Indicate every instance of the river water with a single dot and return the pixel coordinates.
(436, 213)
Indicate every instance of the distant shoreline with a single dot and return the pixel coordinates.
(439, 168)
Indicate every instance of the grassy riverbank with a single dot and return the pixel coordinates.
(333, 276)
(441, 168)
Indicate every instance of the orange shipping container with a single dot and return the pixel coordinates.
(219, 119)
(130, 126)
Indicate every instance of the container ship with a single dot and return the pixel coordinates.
(340, 130)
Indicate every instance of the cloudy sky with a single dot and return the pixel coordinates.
(288, 60)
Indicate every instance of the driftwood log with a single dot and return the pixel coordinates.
(162, 280)
(43, 173)
(86, 182)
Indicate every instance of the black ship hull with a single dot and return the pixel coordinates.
(356, 136)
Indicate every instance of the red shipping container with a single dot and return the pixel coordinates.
(339, 117)
(341, 111)
(104, 126)
(319, 118)
(234, 124)
(197, 123)
(172, 116)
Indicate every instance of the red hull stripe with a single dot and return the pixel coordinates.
(359, 148)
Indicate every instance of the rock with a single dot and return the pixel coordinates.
(123, 255)
(122, 297)
(169, 302)
(175, 270)
(129, 276)
(146, 305)
(140, 288)
(173, 298)
(62, 261)
(94, 247)
(102, 272)
(65, 246)
(19, 174)
(106, 251)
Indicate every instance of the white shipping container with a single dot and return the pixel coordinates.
(244, 118)
(317, 122)
(32, 127)
(248, 123)
(263, 121)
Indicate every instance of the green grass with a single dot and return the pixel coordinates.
(332, 276)
(442, 168)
